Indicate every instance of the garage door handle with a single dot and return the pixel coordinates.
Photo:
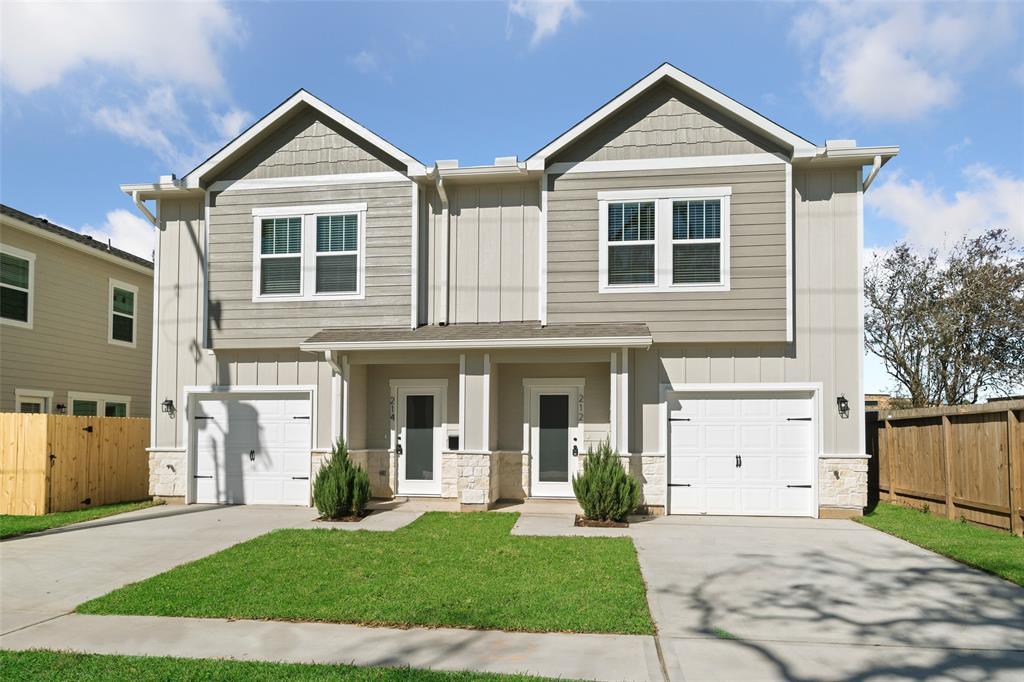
(300, 417)
(679, 485)
(679, 419)
(300, 478)
(798, 419)
(197, 476)
(806, 485)
(200, 417)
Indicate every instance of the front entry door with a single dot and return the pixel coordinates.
(554, 434)
(418, 441)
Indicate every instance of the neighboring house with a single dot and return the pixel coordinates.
(877, 401)
(675, 273)
(76, 322)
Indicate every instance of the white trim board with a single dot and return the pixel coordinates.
(251, 184)
(568, 342)
(666, 163)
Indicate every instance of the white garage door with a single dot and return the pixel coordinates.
(742, 453)
(252, 449)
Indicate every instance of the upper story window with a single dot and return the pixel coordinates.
(309, 253)
(17, 280)
(121, 316)
(664, 240)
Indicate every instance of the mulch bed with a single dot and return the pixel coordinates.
(344, 519)
(584, 522)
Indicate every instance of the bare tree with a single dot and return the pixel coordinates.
(949, 329)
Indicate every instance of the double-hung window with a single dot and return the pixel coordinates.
(121, 316)
(309, 253)
(664, 240)
(98, 405)
(17, 279)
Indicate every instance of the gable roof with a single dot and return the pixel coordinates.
(78, 240)
(260, 128)
(699, 89)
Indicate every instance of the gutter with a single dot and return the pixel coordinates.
(876, 165)
(435, 175)
(143, 209)
(478, 344)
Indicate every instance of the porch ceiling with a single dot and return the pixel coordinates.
(495, 335)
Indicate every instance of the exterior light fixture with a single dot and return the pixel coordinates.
(844, 406)
(167, 407)
(60, 408)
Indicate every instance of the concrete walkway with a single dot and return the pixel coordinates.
(593, 657)
(733, 599)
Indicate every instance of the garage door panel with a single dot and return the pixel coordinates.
(765, 434)
(276, 471)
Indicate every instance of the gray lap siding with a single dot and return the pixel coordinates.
(753, 310)
(237, 321)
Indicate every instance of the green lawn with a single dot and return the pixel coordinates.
(460, 570)
(990, 550)
(67, 667)
(19, 525)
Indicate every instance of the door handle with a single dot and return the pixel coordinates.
(398, 445)
(575, 448)
(739, 461)
(252, 455)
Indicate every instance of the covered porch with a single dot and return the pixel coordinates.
(481, 413)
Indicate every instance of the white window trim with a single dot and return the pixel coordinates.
(663, 241)
(101, 400)
(31, 258)
(110, 313)
(28, 394)
(307, 251)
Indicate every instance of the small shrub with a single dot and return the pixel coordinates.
(604, 490)
(925, 508)
(341, 488)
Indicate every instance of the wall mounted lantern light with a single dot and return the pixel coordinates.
(844, 406)
(60, 408)
(167, 407)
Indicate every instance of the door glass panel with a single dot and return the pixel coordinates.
(419, 438)
(553, 455)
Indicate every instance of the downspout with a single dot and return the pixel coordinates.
(442, 313)
(144, 209)
(875, 167)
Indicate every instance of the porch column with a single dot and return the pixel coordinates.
(473, 465)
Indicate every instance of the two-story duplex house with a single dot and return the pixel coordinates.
(76, 317)
(675, 273)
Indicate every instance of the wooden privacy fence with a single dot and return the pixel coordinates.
(962, 462)
(55, 463)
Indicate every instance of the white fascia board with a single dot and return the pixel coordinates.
(569, 342)
(77, 246)
(667, 163)
(194, 178)
(745, 114)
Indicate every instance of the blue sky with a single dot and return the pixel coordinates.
(94, 95)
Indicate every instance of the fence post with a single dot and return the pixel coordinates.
(890, 457)
(947, 463)
(1014, 458)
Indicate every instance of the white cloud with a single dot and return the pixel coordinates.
(958, 147)
(932, 218)
(126, 231)
(545, 15)
(897, 62)
(231, 122)
(175, 42)
(364, 61)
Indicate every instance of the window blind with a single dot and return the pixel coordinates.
(631, 264)
(337, 274)
(696, 263)
(281, 235)
(337, 232)
(14, 272)
(281, 276)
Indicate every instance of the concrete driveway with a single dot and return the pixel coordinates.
(802, 599)
(46, 575)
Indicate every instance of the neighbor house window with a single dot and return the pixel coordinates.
(98, 405)
(122, 314)
(309, 253)
(16, 283)
(664, 240)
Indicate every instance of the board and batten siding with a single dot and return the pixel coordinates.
(67, 348)
(664, 122)
(753, 310)
(828, 345)
(308, 143)
(237, 321)
(181, 359)
(493, 259)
